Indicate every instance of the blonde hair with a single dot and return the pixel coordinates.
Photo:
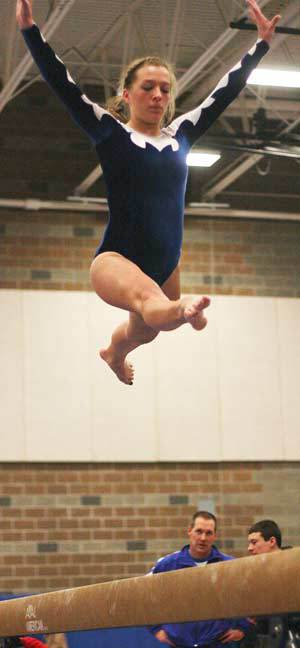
(119, 108)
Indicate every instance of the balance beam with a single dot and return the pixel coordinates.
(251, 586)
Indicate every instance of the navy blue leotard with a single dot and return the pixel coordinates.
(145, 176)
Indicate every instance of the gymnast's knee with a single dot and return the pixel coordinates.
(142, 336)
(149, 336)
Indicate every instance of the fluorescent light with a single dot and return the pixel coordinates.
(87, 199)
(212, 205)
(271, 77)
(202, 159)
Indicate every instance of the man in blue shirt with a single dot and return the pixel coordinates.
(200, 552)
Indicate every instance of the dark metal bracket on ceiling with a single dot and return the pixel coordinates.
(288, 146)
(243, 24)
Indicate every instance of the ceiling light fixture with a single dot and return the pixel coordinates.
(277, 78)
(197, 159)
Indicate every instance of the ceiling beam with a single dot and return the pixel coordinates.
(50, 27)
(239, 170)
(163, 29)
(201, 210)
(11, 37)
(127, 41)
(140, 32)
(223, 10)
(175, 29)
(83, 64)
(107, 83)
(84, 186)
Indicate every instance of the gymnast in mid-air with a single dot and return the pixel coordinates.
(142, 151)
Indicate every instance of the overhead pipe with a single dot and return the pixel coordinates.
(206, 210)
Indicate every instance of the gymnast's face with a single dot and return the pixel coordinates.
(202, 536)
(149, 95)
(258, 545)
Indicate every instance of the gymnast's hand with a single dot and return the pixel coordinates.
(24, 14)
(162, 636)
(265, 27)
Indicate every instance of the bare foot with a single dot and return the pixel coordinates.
(123, 370)
(193, 312)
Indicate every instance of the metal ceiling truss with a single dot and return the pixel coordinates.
(287, 109)
(175, 31)
(85, 64)
(50, 27)
(140, 31)
(223, 9)
(107, 83)
(205, 210)
(112, 32)
(11, 39)
(128, 41)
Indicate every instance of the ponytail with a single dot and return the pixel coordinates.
(117, 107)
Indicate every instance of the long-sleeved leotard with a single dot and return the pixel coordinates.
(145, 175)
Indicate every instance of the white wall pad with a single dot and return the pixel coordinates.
(288, 312)
(249, 379)
(12, 424)
(188, 394)
(56, 376)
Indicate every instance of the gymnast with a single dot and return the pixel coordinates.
(143, 157)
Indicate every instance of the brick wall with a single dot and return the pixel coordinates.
(241, 257)
(68, 525)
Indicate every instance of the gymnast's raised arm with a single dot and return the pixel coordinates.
(194, 123)
(88, 115)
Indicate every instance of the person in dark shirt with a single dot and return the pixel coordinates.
(145, 170)
(270, 632)
(264, 537)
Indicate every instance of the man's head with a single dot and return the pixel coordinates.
(202, 534)
(263, 537)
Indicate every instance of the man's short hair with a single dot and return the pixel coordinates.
(268, 529)
(206, 515)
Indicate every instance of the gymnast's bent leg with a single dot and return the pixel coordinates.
(121, 283)
(133, 333)
(127, 337)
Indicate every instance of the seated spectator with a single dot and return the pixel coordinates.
(275, 631)
(264, 537)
